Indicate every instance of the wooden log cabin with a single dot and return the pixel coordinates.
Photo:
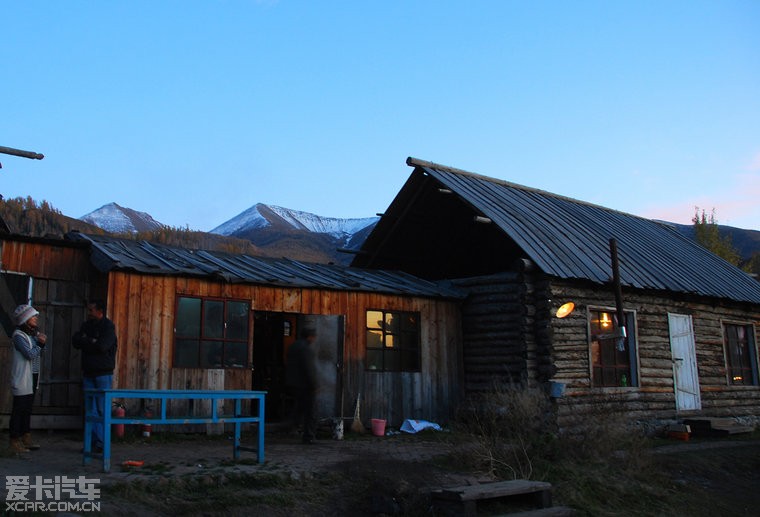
(190, 319)
(690, 318)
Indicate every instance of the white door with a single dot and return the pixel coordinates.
(684, 362)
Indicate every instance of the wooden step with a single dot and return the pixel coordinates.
(463, 500)
(553, 511)
(711, 426)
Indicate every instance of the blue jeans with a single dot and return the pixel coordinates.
(102, 382)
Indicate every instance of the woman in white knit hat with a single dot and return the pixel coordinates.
(28, 342)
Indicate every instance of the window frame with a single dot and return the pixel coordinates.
(752, 354)
(399, 353)
(224, 342)
(632, 368)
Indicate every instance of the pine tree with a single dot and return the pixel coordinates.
(707, 234)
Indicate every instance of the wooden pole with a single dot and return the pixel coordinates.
(618, 292)
(19, 152)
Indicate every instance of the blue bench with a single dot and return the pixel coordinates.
(160, 416)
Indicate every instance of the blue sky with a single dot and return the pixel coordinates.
(195, 110)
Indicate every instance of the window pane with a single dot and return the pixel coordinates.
(596, 353)
(374, 319)
(186, 353)
(211, 354)
(390, 341)
(608, 352)
(392, 323)
(374, 359)
(409, 322)
(236, 355)
(237, 320)
(374, 339)
(189, 317)
(392, 361)
(213, 319)
(407, 340)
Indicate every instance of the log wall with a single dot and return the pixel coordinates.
(654, 399)
(506, 335)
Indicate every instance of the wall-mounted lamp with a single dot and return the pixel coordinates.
(481, 219)
(445, 191)
(605, 320)
(565, 309)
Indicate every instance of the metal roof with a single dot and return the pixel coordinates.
(115, 254)
(569, 239)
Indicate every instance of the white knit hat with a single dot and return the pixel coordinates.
(23, 313)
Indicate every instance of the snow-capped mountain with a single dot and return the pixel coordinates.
(273, 230)
(261, 216)
(118, 219)
(284, 232)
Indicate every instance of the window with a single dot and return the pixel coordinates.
(393, 341)
(211, 333)
(613, 361)
(740, 354)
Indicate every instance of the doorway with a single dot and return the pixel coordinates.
(273, 333)
(686, 377)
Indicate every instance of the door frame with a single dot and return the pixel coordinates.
(687, 394)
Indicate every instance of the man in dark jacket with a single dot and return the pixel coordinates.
(97, 341)
(301, 377)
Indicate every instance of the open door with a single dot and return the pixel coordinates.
(686, 377)
(273, 333)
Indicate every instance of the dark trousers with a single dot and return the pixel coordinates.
(21, 415)
(304, 412)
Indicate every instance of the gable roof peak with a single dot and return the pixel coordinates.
(414, 162)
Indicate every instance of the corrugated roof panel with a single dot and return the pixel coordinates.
(143, 257)
(569, 239)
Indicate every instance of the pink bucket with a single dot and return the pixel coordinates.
(378, 427)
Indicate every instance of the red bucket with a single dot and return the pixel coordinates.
(378, 427)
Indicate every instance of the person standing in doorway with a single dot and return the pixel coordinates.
(97, 341)
(28, 343)
(301, 377)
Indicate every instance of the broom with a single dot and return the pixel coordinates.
(356, 425)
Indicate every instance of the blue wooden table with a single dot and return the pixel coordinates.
(160, 416)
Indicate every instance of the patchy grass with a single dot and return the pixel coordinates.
(605, 467)
(210, 495)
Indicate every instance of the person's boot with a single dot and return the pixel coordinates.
(17, 446)
(26, 439)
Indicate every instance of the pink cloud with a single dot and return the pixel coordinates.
(736, 204)
(754, 164)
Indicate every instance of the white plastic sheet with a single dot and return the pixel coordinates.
(415, 426)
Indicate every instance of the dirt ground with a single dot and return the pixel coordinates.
(294, 476)
(361, 475)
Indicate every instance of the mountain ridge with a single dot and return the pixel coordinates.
(275, 230)
(283, 232)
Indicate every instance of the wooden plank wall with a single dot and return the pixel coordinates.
(654, 399)
(142, 308)
(60, 275)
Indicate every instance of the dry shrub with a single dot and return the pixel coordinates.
(509, 426)
(513, 434)
(598, 431)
